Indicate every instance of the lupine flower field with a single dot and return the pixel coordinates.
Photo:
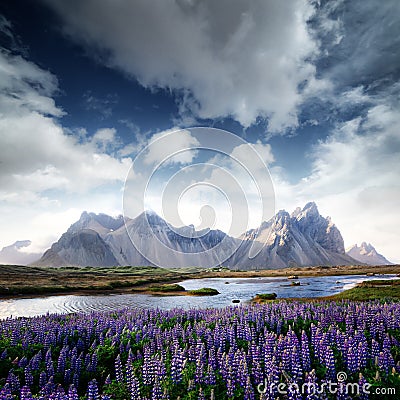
(201, 354)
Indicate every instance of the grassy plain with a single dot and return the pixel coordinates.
(34, 281)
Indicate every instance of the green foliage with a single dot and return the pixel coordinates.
(267, 296)
(204, 292)
(106, 354)
(174, 287)
(167, 323)
(117, 390)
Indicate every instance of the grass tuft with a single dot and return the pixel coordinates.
(204, 292)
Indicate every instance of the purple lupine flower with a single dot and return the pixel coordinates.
(248, 391)
(230, 389)
(62, 360)
(351, 359)
(305, 352)
(363, 395)
(13, 382)
(28, 377)
(72, 393)
(135, 388)
(330, 364)
(42, 379)
(108, 380)
(59, 394)
(311, 387)
(198, 377)
(156, 392)
(93, 363)
(362, 353)
(67, 376)
(93, 391)
(23, 362)
(75, 380)
(49, 387)
(25, 393)
(293, 392)
(4, 354)
(210, 376)
(5, 392)
(118, 369)
(296, 370)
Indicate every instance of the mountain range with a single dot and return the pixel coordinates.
(18, 253)
(303, 238)
(367, 254)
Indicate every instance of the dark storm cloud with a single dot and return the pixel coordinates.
(228, 58)
(361, 39)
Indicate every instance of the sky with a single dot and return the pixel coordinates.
(88, 86)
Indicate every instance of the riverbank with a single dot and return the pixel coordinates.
(22, 281)
(372, 290)
(382, 289)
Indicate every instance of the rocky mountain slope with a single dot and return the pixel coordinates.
(155, 238)
(302, 238)
(367, 254)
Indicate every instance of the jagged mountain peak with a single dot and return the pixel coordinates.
(282, 220)
(296, 212)
(311, 205)
(152, 217)
(148, 220)
(367, 254)
(100, 223)
(282, 215)
(367, 247)
(309, 211)
(19, 244)
(301, 238)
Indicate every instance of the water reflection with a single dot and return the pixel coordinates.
(242, 289)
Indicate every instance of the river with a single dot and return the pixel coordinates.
(242, 289)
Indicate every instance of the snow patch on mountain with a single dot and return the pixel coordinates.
(302, 238)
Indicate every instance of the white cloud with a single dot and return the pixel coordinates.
(355, 180)
(179, 189)
(244, 178)
(226, 58)
(245, 152)
(181, 149)
(25, 85)
(105, 139)
(35, 152)
(45, 168)
(235, 185)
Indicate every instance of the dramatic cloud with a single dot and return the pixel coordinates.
(226, 58)
(43, 167)
(35, 152)
(360, 40)
(331, 64)
(355, 179)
